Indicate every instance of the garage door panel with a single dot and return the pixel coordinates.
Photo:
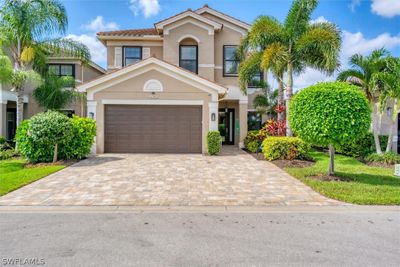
(153, 129)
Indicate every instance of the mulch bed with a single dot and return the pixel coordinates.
(293, 163)
(380, 164)
(328, 178)
(284, 163)
(46, 164)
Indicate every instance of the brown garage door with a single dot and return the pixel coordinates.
(152, 129)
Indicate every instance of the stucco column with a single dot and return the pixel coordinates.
(91, 113)
(243, 121)
(213, 116)
(3, 118)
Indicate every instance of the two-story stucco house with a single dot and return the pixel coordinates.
(167, 86)
(61, 66)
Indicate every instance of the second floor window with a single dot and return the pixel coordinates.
(62, 69)
(257, 80)
(231, 64)
(132, 54)
(188, 57)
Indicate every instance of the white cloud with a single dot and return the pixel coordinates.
(354, 4)
(98, 25)
(97, 49)
(147, 7)
(386, 8)
(352, 43)
(356, 43)
(319, 20)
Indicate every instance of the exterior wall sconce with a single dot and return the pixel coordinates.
(389, 112)
(213, 116)
(91, 115)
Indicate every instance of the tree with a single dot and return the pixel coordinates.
(362, 72)
(291, 46)
(389, 83)
(56, 92)
(27, 28)
(330, 114)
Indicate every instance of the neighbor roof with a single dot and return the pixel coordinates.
(131, 32)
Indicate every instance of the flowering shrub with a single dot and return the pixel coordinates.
(274, 128)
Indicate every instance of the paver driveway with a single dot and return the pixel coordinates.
(234, 178)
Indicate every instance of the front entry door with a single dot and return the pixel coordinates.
(226, 125)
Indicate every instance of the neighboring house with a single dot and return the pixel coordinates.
(167, 86)
(63, 67)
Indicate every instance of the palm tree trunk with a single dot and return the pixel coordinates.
(289, 93)
(281, 99)
(55, 153)
(375, 129)
(20, 105)
(392, 123)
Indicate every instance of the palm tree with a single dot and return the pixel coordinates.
(389, 83)
(291, 46)
(27, 33)
(56, 92)
(362, 72)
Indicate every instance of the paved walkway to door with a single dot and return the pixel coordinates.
(233, 178)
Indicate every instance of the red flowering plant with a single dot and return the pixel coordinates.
(275, 128)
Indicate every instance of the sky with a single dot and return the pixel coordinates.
(365, 24)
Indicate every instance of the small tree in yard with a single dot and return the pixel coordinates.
(330, 114)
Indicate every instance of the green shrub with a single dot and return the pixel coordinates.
(83, 133)
(387, 158)
(252, 141)
(7, 154)
(3, 140)
(213, 142)
(362, 146)
(40, 137)
(288, 148)
(333, 114)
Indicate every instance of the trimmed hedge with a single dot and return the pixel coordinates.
(213, 142)
(362, 146)
(285, 148)
(37, 137)
(252, 141)
(83, 131)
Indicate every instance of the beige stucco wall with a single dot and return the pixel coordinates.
(205, 45)
(156, 49)
(132, 89)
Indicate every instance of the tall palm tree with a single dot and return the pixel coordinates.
(389, 97)
(296, 43)
(29, 31)
(56, 92)
(362, 71)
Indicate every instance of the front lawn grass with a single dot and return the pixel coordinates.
(362, 184)
(14, 175)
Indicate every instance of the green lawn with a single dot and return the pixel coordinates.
(13, 175)
(364, 185)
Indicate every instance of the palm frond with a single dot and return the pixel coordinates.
(264, 31)
(260, 101)
(275, 58)
(353, 76)
(299, 16)
(319, 47)
(248, 69)
(6, 69)
(67, 47)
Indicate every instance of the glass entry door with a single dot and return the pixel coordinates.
(226, 125)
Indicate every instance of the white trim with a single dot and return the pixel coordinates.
(223, 16)
(243, 102)
(213, 108)
(152, 102)
(131, 43)
(160, 25)
(153, 85)
(209, 29)
(188, 36)
(206, 65)
(151, 64)
(237, 29)
(218, 67)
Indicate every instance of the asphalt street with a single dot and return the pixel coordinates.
(201, 238)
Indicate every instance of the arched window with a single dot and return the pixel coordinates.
(188, 54)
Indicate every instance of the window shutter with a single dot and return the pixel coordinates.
(145, 52)
(118, 57)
